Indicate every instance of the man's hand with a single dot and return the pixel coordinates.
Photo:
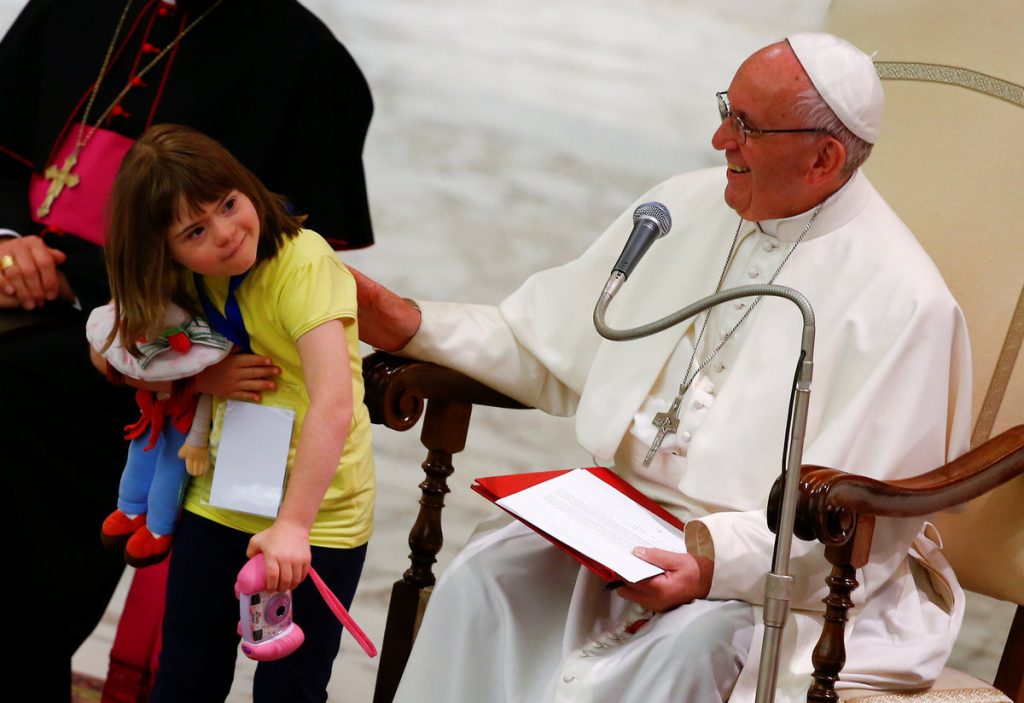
(687, 578)
(30, 278)
(239, 377)
(386, 321)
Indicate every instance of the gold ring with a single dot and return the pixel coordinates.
(6, 262)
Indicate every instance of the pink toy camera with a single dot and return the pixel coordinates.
(265, 617)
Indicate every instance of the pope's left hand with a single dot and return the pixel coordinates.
(687, 578)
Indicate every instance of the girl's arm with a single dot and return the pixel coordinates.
(237, 376)
(101, 365)
(328, 379)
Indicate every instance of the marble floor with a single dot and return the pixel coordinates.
(507, 134)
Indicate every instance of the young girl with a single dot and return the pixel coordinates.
(188, 223)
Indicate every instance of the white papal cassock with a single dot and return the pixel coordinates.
(515, 620)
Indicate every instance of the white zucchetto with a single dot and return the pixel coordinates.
(846, 79)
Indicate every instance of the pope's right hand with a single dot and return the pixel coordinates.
(387, 321)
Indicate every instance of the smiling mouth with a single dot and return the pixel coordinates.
(235, 249)
(733, 168)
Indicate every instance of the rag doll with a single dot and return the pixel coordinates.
(169, 441)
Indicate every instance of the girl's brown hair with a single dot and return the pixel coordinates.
(168, 168)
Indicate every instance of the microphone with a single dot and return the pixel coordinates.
(651, 221)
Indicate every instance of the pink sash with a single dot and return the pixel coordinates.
(80, 210)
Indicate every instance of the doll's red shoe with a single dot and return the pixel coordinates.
(118, 528)
(143, 549)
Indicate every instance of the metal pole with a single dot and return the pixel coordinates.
(778, 583)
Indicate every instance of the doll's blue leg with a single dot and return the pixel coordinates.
(137, 477)
(168, 484)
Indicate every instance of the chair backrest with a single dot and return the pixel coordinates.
(951, 162)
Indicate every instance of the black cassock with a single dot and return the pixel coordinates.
(268, 80)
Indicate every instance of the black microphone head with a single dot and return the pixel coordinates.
(657, 212)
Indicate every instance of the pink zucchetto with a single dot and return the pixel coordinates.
(846, 79)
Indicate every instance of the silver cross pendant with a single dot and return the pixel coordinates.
(667, 423)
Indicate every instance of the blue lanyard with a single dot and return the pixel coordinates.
(230, 324)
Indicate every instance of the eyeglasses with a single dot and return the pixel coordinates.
(741, 128)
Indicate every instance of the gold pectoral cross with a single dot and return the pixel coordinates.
(59, 178)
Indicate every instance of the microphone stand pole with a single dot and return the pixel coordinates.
(778, 584)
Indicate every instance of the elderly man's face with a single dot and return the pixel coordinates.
(766, 174)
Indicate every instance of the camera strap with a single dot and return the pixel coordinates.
(339, 611)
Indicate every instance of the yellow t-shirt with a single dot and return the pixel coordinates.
(281, 299)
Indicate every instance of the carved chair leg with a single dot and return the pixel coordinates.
(445, 427)
(1010, 677)
(830, 653)
(849, 551)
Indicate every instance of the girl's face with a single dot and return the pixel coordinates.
(220, 240)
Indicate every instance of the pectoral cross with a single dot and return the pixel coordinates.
(667, 423)
(59, 179)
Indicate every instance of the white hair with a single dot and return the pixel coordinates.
(815, 112)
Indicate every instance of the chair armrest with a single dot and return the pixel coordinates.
(396, 389)
(830, 499)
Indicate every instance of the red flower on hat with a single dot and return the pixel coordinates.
(179, 342)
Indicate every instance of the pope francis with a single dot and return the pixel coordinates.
(514, 619)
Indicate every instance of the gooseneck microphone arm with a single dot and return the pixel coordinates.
(778, 583)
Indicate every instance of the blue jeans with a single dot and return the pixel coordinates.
(200, 637)
(153, 482)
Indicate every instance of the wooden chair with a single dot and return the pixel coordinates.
(839, 510)
(398, 393)
(834, 508)
(950, 163)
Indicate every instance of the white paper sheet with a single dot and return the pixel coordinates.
(252, 458)
(593, 518)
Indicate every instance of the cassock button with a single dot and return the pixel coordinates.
(770, 245)
(753, 273)
(597, 644)
(148, 48)
(686, 436)
(568, 678)
(739, 305)
(719, 367)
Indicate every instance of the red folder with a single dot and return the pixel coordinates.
(494, 488)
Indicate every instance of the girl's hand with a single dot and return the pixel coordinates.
(31, 279)
(285, 548)
(239, 377)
